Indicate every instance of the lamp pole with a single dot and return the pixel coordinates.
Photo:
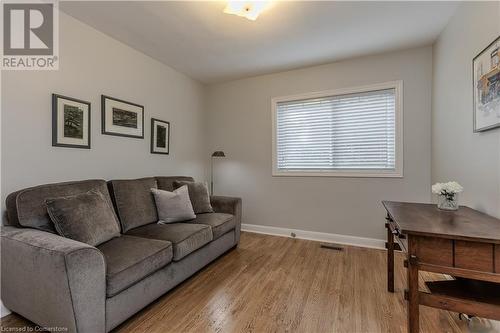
(211, 175)
(218, 153)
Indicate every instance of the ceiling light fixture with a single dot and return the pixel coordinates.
(247, 9)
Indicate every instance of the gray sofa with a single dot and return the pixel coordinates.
(58, 282)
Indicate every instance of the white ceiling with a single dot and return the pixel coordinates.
(198, 39)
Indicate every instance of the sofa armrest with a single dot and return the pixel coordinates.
(228, 205)
(53, 281)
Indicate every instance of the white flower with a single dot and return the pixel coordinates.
(448, 188)
(436, 188)
(453, 187)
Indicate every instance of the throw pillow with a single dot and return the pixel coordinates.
(85, 217)
(199, 195)
(173, 206)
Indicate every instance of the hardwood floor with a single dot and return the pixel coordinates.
(277, 284)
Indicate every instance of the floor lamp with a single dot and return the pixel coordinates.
(218, 153)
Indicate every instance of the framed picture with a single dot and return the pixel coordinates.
(486, 85)
(70, 122)
(160, 136)
(122, 118)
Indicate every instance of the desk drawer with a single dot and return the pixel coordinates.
(497, 258)
(435, 251)
(475, 256)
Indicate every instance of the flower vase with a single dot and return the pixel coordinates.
(448, 202)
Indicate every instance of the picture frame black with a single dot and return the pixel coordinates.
(474, 91)
(56, 139)
(104, 124)
(154, 148)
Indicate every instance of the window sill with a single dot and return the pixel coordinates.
(347, 173)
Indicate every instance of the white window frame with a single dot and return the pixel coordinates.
(396, 173)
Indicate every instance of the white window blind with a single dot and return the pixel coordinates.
(339, 132)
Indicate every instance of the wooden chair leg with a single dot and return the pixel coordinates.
(413, 302)
(390, 260)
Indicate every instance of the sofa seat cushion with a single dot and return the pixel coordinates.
(130, 259)
(219, 222)
(185, 237)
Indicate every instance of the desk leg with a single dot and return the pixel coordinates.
(390, 260)
(413, 302)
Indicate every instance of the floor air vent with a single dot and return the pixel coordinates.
(330, 246)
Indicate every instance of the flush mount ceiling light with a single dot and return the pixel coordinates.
(248, 9)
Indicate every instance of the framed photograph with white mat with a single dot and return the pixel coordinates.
(160, 136)
(486, 85)
(70, 122)
(122, 118)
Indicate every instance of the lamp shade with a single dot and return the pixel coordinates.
(218, 153)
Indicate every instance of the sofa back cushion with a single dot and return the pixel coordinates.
(167, 183)
(134, 201)
(27, 207)
(199, 195)
(85, 217)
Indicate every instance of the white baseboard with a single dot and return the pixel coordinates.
(316, 236)
(3, 310)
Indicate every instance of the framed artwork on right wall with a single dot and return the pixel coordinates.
(486, 86)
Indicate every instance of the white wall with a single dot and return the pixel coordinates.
(473, 159)
(92, 64)
(240, 124)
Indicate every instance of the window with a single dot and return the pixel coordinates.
(350, 132)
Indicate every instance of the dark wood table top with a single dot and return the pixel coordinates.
(427, 220)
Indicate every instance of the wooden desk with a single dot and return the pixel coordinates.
(464, 244)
